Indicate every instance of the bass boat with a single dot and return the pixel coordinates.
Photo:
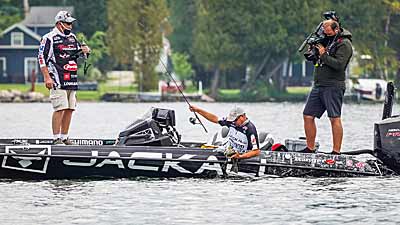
(152, 147)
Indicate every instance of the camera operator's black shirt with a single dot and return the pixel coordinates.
(331, 72)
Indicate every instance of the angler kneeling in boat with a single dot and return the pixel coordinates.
(242, 140)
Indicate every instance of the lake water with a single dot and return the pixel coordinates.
(372, 200)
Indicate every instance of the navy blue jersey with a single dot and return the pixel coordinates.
(242, 138)
(55, 52)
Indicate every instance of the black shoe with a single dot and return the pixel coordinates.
(58, 142)
(307, 150)
(335, 153)
(67, 142)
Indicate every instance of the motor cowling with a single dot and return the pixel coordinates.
(155, 129)
(387, 133)
(387, 142)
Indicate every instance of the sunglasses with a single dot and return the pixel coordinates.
(69, 24)
(237, 118)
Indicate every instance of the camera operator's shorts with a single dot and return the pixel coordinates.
(63, 99)
(323, 99)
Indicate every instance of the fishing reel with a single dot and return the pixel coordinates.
(193, 121)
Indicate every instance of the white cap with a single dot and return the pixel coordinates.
(235, 113)
(64, 16)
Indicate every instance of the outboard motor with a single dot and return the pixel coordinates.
(156, 128)
(387, 134)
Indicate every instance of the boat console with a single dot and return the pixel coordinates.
(155, 128)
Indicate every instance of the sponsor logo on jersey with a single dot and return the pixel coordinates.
(66, 47)
(70, 83)
(71, 39)
(71, 66)
(253, 140)
(67, 76)
(64, 55)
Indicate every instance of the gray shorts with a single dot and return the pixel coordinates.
(63, 99)
(323, 99)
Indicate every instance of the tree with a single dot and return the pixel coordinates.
(91, 15)
(135, 35)
(214, 44)
(181, 66)
(182, 19)
(10, 13)
(99, 50)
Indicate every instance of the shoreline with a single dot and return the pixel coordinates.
(16, 96)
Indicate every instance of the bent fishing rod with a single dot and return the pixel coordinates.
(177, 86)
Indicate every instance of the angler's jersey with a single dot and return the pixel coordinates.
(58, 51)
(243, 138)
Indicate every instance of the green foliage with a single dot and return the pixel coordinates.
(214, 43)
(91, 16)
(181, 65)
(260, 91)
(10, 13)
(135, 35)
(183, 19)
(97, 44)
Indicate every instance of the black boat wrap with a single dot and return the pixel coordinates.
(65, 162)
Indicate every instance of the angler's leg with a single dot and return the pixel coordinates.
(310, 130)
(337, 133)
(66, 121)
(56, 122)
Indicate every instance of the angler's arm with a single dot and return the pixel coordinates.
(209, 116)
(43, 55)
(247, 155)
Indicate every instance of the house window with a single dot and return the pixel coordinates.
(3, 68)
(17, 38)
(31, 67)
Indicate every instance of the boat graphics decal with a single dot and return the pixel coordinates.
(87, 142)
(326, 161)
(164, 165)
(37, 163)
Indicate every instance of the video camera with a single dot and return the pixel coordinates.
(317, 37)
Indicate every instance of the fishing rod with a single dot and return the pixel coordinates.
(177, 86)
(184, 97)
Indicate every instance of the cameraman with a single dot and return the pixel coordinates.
(329, 84)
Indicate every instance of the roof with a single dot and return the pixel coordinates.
(24, 29)
(44, 15)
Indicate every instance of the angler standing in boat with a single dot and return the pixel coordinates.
(329, 84)
(58, 53)
(242, 136)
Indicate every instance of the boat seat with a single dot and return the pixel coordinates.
(266, 140)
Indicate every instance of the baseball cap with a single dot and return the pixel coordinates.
(64, 16)
(235, 113)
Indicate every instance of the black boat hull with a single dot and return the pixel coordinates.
(30, 162)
